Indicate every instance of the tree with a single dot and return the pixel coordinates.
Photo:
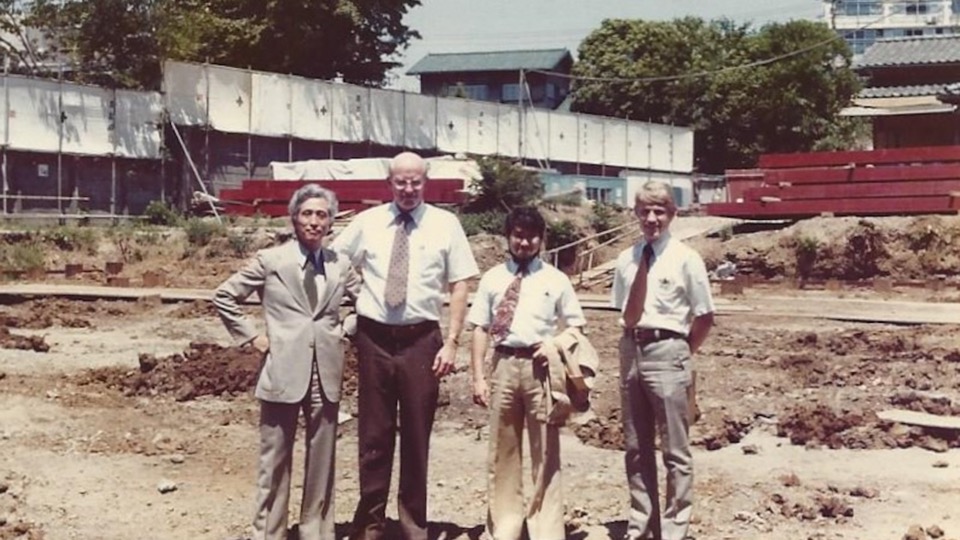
(787, 105)
(124, 42)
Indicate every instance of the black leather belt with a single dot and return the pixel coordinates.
(519, 352)
(396, 331)
(646, 336)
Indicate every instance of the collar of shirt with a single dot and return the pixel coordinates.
(659, 245)
(317, 256)
(535, 264)
(416, 213)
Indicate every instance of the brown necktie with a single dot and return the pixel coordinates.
(310, 280)
(396, 292)
(503, 317)
(638, 291)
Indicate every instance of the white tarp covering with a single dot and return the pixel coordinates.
(563, 137)
(137, 124)
(386, 117)
(351, 108)
(312, 109)
(420, 119)
(453, 125)
(536, 134)
(661, 155)
(508, 131)
(638, 145)
(331, 169)
(482, 127)
(373, 169)
(34, 114)
(185, 87)
(87, 120)
(615, 142)
(682, 150)
(271, 107)
(592, 139)
(230, 99)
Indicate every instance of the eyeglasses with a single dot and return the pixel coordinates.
(416, 183)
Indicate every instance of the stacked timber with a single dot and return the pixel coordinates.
(898, 181)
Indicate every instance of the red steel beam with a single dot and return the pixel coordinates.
(861, 157)
(856, 207)
(885, 173)
(917, 188)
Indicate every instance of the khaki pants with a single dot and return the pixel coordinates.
(517, 399)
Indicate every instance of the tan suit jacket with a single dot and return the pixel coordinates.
(295, 331)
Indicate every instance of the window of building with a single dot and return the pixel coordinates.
(468, 91)
(510, 92)
(859, 8)
(913, 32)
(601, 195)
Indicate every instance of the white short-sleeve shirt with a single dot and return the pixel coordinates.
(546, 299)
(678, 288)
(439, 255)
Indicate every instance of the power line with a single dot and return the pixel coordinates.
(707, 73)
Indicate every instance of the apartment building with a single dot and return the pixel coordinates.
(862, 22)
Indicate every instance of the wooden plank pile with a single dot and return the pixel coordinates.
(269, 198)
(897, 181)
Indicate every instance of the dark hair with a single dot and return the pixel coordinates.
(527, 218)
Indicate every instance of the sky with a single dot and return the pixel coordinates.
(449, 26)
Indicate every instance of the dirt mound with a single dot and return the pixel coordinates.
(818, 425)
(602, 432)
(197, 309)
(47, 312)
(23, 343)
(846, 248)
(203, 369)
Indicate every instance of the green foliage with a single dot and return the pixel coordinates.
(561, 233)
(865, 251)
(124, 42)
(23, 256)
(160, 213)
(805, 249)
(604, 218)
(786, 106)
(490, 222)
(504, 185)
(201, 231)
(72, 238)
(240, 243)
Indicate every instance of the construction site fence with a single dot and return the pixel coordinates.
(242, 101)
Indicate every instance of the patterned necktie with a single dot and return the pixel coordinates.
(638, 291)
(503, 317)
(396, 292)
(310, 279)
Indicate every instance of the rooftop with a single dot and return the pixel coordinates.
(906, 51)
(544, 59)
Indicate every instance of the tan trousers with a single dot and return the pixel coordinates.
(517, 399)
(278, 428)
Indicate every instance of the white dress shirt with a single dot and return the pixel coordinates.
(439, 255)
(678, 288)
(546, 298)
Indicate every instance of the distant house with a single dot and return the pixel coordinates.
(911, 91)
(495, 76)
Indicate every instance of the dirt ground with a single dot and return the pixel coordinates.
(136, 420)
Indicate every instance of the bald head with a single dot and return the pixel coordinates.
(407, 176)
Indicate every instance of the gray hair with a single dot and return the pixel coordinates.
(656, 192)
(311, 191)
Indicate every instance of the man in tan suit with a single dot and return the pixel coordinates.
(301, 284)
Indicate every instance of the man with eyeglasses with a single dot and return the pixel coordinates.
(410, 253)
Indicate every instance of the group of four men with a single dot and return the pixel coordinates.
(398, 261)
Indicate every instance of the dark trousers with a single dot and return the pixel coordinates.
(395, 368)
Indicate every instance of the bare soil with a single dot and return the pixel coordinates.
(133, 395)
